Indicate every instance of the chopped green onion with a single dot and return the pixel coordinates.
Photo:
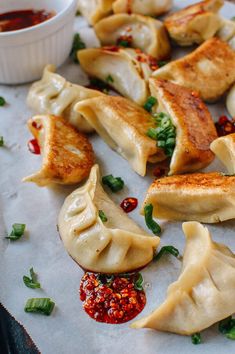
(2, 101)
(99, 84)
(151, 224)
(17, 232)
(151, 101)
(31, 282)
(123, 43)
(102, 216)
(227, 327)
(1, 141)
(109, 78)
(231, 333)
(138, 282)
(196, 338)
(78, 44)
(114, 183)
(161, 63)
(43, 306)
(164, 250)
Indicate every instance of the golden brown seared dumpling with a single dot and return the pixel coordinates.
(230, 101)
(146, 7)
(126, 70)
(137, 31)
(116, 246)
(224, 149)
(94, 10)
(123, 125)
(210, 70)
(204, 197)
(195, 23)
(195, 129)
(67, 154)
(54, 95)
(204, 292)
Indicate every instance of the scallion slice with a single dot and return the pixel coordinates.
(161, 63)
(151, 101)
(164, 250)
(43, 306)
(17, 232)
(2, 101)
(1, 141)
(102, 216)
(123, 43)
(138, 282)
(151, 224)
(78, 44)
(109, 79)
(231, 333)
(31, 282)
(196, 338)
(114, 183)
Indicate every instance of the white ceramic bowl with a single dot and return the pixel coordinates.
(24, 53)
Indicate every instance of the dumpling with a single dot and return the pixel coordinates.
(195, 129)
(204, 291)
(116, 246)
(210, 70)
(54, 95)
(123, 125)
(230, 101)
(195, 23)
(126, 70)
(94, 10)
(146, 7)
(67, 154)
(204, 197)
(227, 30)
(224, 149)
(137, 31)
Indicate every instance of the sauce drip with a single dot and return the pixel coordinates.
(111, 298)
(129, 204)
(225, 126)
(34, 147)
(17, 20)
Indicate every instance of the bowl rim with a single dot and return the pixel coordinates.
(50, 21)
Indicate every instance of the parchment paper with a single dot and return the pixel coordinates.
(69, 329)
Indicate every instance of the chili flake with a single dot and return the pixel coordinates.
(225, 126)
(112, 298)
(34, 147)
(129, 204)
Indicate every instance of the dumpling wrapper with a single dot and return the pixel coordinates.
(122, 124)
(227, 30)
(204, 197)
(67, 154)
(224, 149)
(209, 70)
(146, 7)
(195, 129)
(195, 23)
(145, 33)
(126, 70)
(204, 291)
(116, 246)
(54, 95)
(230, 101)
(94, 10)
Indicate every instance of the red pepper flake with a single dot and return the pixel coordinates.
(110, 49)
(111, 299)
(129, 204)
(159, 172)
(34, 147)
(225, 126)
(36, 125)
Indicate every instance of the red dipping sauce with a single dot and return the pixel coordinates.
(17, 20)
(111, 299)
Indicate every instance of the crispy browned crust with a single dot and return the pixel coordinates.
(194, 126)
(210, 69)
(61, 164)
(213, 181)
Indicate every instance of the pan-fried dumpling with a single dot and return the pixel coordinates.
(204, 197)
(204, 291)
(195, 23)
(116, 246)
(94, 10)
(67, 154)
(146, 7)
(54, 95)
(230, 101)
(123, 125)
(126, 70)
(210, 69)
(224, 149)
(227, 30)
(195, 129)
(137, 31)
